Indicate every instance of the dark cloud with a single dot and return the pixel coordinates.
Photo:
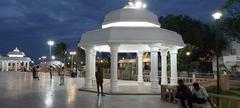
(28, 24)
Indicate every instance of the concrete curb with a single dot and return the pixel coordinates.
(108, 93)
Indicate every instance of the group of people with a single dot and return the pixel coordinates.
(61, 73)
(35, 73)
(98, 75)
(198, 94)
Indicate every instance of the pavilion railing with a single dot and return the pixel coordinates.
(225, 101)
(168, 94)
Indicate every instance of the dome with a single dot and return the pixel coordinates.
(16, 53)
(131, 17)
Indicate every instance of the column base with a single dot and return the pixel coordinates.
(140, 80)
(113, 87)
(164, 81)
(155, 84)
(88, 84)
(173, 82)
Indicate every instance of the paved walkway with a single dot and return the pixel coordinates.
(126, 87)
(18, 90)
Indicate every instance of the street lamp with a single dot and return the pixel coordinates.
(188, 53)
(53, 57)
(50, 43)
(217, 16)
(72, 54)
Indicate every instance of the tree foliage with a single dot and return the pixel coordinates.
(80, 55)
(60, 50)
(201, 39)
(231, 20)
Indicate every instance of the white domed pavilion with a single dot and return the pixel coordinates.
(136, 30)
(16, 60)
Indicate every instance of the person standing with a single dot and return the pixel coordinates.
(61, 73)
(99, 78)
(50, 71)
(34, 73)
(184, 94)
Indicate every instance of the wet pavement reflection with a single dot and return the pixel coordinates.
(18, 90)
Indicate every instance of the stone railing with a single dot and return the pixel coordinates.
(225, 101)
(168, 92)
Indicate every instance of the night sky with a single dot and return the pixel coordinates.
(28, 24)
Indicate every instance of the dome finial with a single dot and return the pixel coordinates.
(135, 5)
(16, 50)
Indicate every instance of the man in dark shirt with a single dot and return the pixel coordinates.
(99, 78)
(184, 93)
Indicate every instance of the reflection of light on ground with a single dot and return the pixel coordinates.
(99, 101)
(49, 94)
(49, 99)
(71, 94)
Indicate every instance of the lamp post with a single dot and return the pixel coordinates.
(50, 43)
(43, 58)
(188, 53)
(217, 16)
(72, 54)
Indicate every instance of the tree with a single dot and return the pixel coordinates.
(60, 51)
(200, 36)
(80, 55)
(231, 20)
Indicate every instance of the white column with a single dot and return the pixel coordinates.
(93, 64)
(174, 77)
(88, 73)
(154, 68)
(16, 67)
(7, 66)
(28, 66)
(164, 80)
(193, 77)
(140, 67)
(3, 66)
(114, 68)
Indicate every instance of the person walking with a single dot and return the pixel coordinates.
(99, 78)
(50, 71)
(34, 73)
(61, 73)
(184, 94)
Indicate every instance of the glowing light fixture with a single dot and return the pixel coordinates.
(50, 43)
(217, 15)
(73, 53)
(144, 5)
(53, 57)
(130, 24)
(138, 4)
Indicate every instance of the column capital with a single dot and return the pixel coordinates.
(173, 51)
(88, 47)
(154, 49)
(164, 52)
(140, 53)
(114, 47)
